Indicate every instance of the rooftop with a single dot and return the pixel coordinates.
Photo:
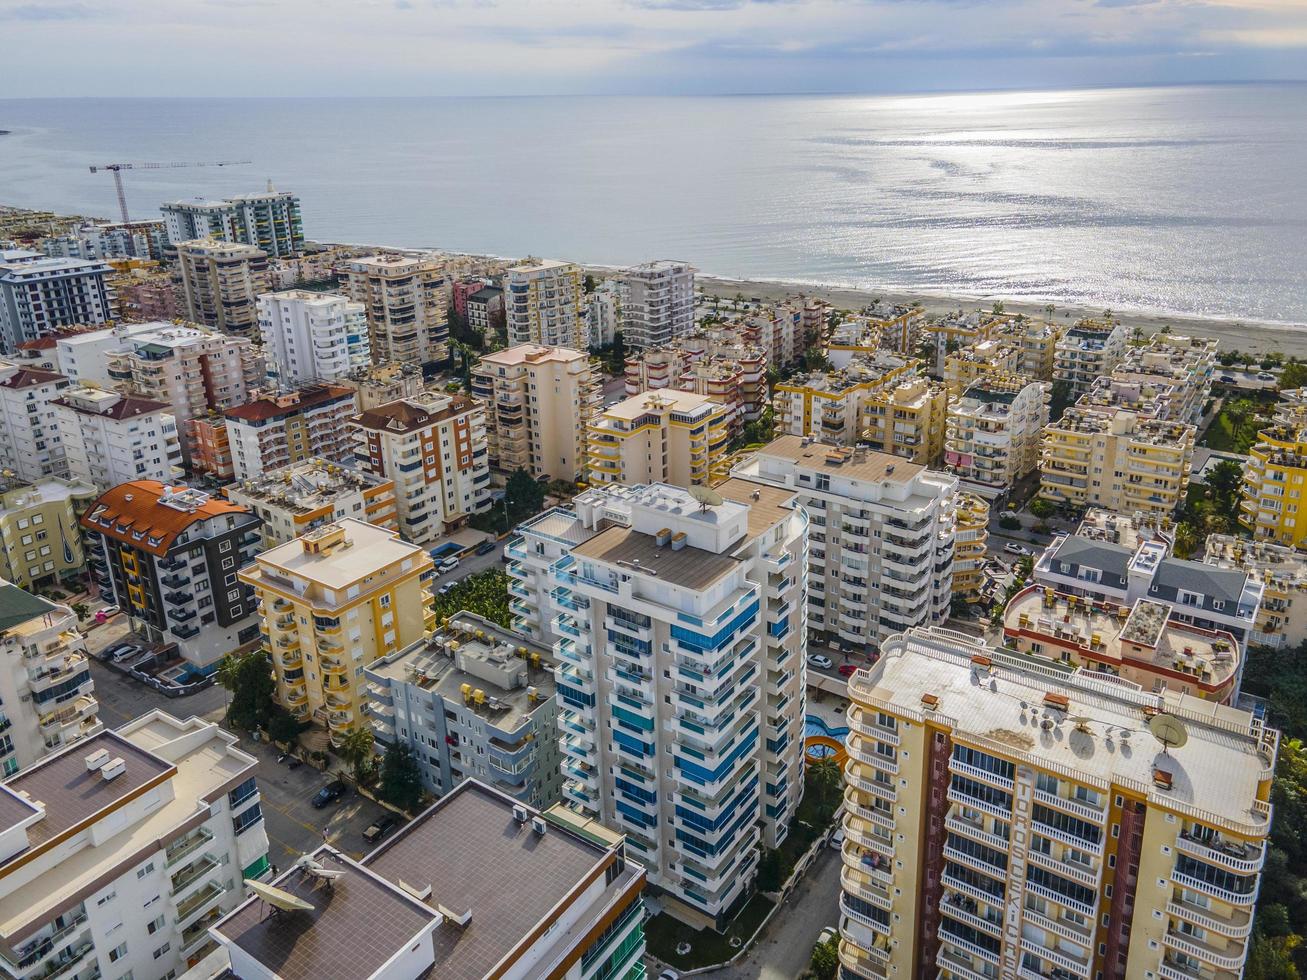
(13, 376)
(107, 404)
(1092, 552)
(768, 505)
(410, 414)
(1099, 524)
(856, 464)
(533, 354)
(1102, 740)
(272, 405)
(18, 606)
(150, 515)
(308, 485)
(689, 568)
(338, 555)
(662, 401)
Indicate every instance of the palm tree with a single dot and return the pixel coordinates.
(356, 749)
(827, 777)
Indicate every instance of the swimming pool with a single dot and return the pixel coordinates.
(821, 740)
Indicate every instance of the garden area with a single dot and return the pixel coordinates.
(524, 497)
(485, 594)
(1235, 427)
(664, 935)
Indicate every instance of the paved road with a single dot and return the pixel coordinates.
(472, 564)
(786, 948)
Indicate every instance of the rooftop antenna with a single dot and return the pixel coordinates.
(1169, 730)
(707, 497)
(279, 899)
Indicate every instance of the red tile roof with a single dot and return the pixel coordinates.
(272, 406)
(30, 377)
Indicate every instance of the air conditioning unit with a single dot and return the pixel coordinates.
(539, 826)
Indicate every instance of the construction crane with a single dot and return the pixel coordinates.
(118, 168)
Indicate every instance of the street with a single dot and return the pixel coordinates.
(785, 948)
(471, 565)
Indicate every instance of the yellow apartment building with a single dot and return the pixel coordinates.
(970, 542)
(665, 436)
(965, 367)
(1006, 817)
(1036, 340)
(1118, 461)
(955, 331)
(1275, 480)
(908, 418)
(829, 404)
(1282, 614)
(333, 601)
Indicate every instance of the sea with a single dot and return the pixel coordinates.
(1184, 200)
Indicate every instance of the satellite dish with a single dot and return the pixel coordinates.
(278, 898)
(1169, 730)
(706, 496)
(312, 867)
(1082, 724)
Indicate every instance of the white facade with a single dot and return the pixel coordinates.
(603, 313)
(140, 843)
(110, 438)
(312, 336)
(45, 680)
(279, 429)
(38, 297)
(657, 303)
(881, 537)
(994, 432)
(85, 356)
(30, 446)
(269, 221)
(103, 240)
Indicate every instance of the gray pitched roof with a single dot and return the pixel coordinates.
(1088, 553)
(18, 606)
(1221, 584)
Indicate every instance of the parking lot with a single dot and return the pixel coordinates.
(293, 826)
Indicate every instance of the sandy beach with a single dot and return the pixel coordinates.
(1251, 336)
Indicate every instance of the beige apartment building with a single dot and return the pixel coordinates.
(219, 284)
(1184, 365)
(1119, 461)
(876, 327)
(994, 432)
(908, 418)
(543, 304)
(1088, 351)
(1282, 615)
(537, 402)
(666, 436)
(383, 383)
(984, 359)
(970, 545)
(280, 428)
(434, 448)
(828, 404)
(1036, 341)
(294, 499)
(1007, 818)
(333, 601)
(954, 331)
(39, 535)
(407, 301)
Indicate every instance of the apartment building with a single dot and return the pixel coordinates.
(786, 330)
(1146, 399)
(121, 850)
(543, 304)
(294, 499)
(970, 545)
(1217, 599)
(276, 429)
(382, 384)
(269, 221)
(218, 284)
(537, 402)
(30, 447)
(434, 449)
(145, 295)
(312, 336)
(210, 447)
(45, 679)
(680, 682)
(40, 296)
(1275, 474)
(82, 355)
(109, 240)
(193, 371)
(1088, 351)
(1036, 342)
(333, 601)
(603, 312)
(955, 331)
(551, 895)
(656, 303)
(981, 360)
(994, 432)
(828, 405)
(907, 417)
(731, 375)
(168, 557)
(1138, 643)
(1282, 614)
(39, 537)
(109, 438)
(881, 536)
(485, 312)
(407, 302)
(1118, 461)
(474, 701)
(1006, 818)
(878, 327)
(666, 436)
(1185, 365)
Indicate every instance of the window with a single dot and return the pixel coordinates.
(157, 924)
(117, 953)
(162, 949)
(148, 869)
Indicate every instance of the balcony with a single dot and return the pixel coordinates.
(1079, 808)
(1237, 856)
(1238, 925)
(1216, 891)
(193, 874)
(1230, 958)
(198, 902)
(1060, 958)
(180, 850)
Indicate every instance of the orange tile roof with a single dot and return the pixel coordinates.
(133, 508)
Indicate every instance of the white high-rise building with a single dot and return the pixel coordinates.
(30, 447)
(657, 303)
(110, 438)
(681, 676)
(881, 538)
(312, 336)
(542, 304)
(120, 851)
(269, 221)
(40, 296)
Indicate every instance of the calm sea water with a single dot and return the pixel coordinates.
(1186, 200)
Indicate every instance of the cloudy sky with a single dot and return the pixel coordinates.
(506, 47)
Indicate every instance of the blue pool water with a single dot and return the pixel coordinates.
(816, 727)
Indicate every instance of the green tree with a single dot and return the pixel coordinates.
(248, 676)
(1294, 375)
(80, 609)
(589, 283)
(1043, 509)
(1009, 523)
(827, 778)
(1223, 484)
(282, 726)
(1186, 539)
(825, 962)
(769, 870)
(484, 594)
(524, 496)
(1060, 399)
(356, 749)
(401, 780)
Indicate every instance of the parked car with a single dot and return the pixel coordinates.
(669, 975)
(827, 934)
(1227, 379)
(1265, 376)
(837, 839)
(1016, 549)
(125, 652)
(485, 547)
(448, 586)
(108, 611)
(820, 661)
(380, 827)
(446, 565)
(330, 793)
(848, 670)
(109, 652)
